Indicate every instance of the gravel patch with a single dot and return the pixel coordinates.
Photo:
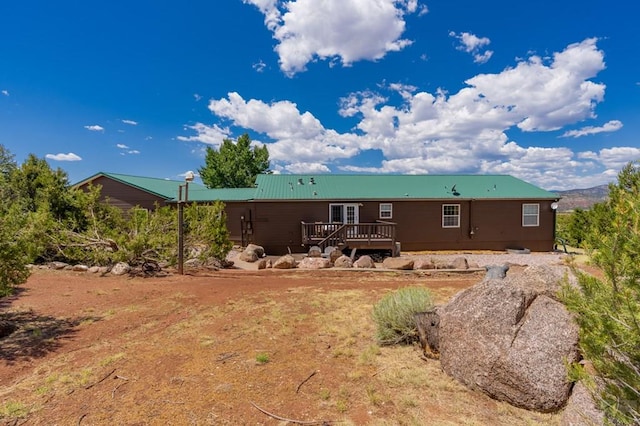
(482, 260)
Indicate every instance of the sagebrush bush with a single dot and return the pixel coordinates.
(394, 314)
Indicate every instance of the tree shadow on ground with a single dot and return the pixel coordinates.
(30, 335)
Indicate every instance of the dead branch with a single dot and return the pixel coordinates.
(81, 417)
(113, 392)
(101, 380)
(305, 380)
(92, 242)
(297, 422)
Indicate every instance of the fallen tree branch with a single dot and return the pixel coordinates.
(284, 419)
(101, 380)
(113, 392)
(305, 380)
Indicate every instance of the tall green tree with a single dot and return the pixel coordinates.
(13, 249)
(235, 165)
(608, 309)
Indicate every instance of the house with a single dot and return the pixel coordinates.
(414, 212)
(126, 191)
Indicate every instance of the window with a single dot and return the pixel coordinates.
(451, 215)
(336, 213)
(530, 214)
(386, 210)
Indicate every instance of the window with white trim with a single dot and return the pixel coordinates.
(386, 211)
(451, 215)
(531, 215)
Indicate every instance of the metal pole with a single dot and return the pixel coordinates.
(180, 232)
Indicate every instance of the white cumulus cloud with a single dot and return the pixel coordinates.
(95, 128)
(474, 45)
(610, 126)
(63, 157)
(130, 122)
(351, 30)
(463, 132)
(210, 135)
(5, 92)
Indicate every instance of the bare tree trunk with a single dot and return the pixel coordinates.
(428, 324)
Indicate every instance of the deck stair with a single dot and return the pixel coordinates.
(378, 235)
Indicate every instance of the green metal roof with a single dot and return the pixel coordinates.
(168, 189)
(161, 187)
(347, 187)
(222, 194)
(395, 187)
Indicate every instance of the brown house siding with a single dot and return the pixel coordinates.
(496, 224)
(124, 196)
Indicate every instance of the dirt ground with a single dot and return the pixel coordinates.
(226, 347)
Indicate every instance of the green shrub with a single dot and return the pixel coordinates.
(607, 309)
(13, 247)
(207, 225)
(394, 314)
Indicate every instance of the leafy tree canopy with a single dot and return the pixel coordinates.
(235, 165)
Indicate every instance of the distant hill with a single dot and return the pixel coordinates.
(581, 198)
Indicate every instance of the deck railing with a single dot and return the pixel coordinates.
(355, 235)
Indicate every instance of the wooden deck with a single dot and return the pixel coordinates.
(379, 235)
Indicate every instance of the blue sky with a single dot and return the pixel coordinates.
(548, 92)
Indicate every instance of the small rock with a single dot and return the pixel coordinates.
(262, 264)
(58, 265)
(496, 272)
(120, 268)
(80, 268)
(94, 270)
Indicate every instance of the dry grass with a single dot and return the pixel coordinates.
(261, 347)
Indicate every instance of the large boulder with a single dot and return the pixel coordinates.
(285, 262)
(581, 409)
(512, 339)
(315, 251)
(401, 263)
(248, 256)
(422, 263)
(259, 250)
(251, 253)
(460, 263)
(314, 263)
(343, 262)
(334, 254)
(364, 262)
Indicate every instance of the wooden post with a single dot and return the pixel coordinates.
(428, 324)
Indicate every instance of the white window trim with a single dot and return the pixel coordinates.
(389, 211)
(528, 215)
(344, 206)
(457, 216)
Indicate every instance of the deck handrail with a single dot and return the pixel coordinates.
(324, 234)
